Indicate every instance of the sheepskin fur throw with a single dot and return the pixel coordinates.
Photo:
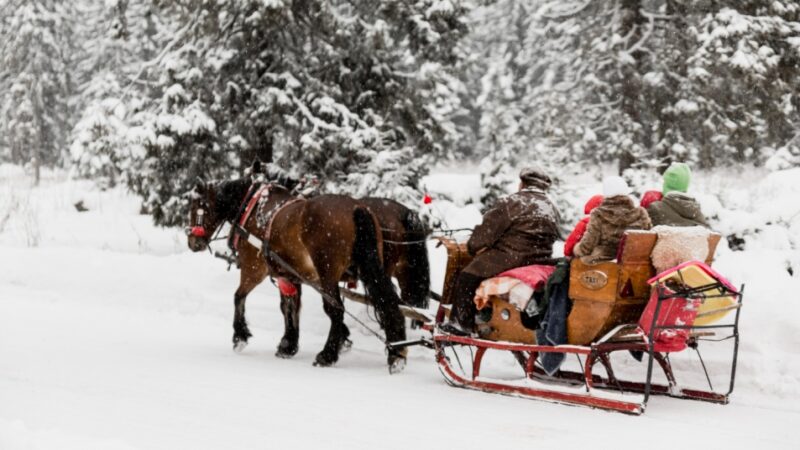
(677, 245)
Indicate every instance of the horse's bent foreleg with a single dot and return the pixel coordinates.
(290, 307)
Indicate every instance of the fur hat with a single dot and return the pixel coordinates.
(535, 176)
(613, 186)
(676, 178)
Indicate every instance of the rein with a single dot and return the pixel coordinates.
(428, 236)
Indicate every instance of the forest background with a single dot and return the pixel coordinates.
(368, 95)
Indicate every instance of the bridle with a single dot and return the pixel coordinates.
(198, 228)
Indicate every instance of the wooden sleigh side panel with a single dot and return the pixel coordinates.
(505, 324)
(610, 293)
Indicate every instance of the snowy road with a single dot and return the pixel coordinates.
(101, 349)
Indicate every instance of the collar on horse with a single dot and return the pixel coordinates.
(256, 192)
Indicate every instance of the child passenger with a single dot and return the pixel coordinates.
(608, 222)
(580, 228)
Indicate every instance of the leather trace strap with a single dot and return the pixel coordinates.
(248, 205)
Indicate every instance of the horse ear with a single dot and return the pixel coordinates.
(200, 186)
(256, 167)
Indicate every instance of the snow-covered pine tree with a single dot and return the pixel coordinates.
(640, 82)
(532, 108)
(356, 92)
(119, 37)
(741, 81)
(36, 49)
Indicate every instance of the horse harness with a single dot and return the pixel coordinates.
(257, 194)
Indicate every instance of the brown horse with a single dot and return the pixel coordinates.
(311, 242)
(405, 257)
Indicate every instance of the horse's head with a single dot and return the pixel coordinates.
(211, 204)
(204, 216)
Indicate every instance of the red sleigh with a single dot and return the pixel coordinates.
(617, 307)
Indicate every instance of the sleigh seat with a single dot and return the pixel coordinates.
(609, 293)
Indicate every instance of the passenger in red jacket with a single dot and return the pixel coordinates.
(580, 228)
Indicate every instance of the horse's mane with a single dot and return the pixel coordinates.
(229, 196)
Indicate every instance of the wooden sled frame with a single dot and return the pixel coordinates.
(619, 339)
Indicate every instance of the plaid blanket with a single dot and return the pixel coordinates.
(515, 285)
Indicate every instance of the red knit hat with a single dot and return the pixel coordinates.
(650, 197)
(593, 203)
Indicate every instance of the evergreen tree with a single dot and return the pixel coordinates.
(36, 53)
(639, 82)
(119, 38)
(358, 93)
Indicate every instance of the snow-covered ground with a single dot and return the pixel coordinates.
(114, 336)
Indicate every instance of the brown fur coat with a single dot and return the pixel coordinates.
(607, 223)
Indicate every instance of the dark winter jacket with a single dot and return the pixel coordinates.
(677, 209)
(518, 231)
(607, 223)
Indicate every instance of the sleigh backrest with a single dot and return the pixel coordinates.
(457, 258)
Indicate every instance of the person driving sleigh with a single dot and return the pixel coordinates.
(518, 231)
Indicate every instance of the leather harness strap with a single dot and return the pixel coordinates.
(238, 230)
(251, 199)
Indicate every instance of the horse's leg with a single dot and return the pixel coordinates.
(345, 344)
(290, 307)
(249, 277)
(380, 290)
(334, 308)
(241, 333)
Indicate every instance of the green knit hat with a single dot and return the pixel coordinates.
(676, 178)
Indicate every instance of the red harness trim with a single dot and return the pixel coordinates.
(248, 210)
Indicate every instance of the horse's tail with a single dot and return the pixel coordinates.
(418, 269)
(380, 290)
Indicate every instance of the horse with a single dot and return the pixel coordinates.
(301, 241)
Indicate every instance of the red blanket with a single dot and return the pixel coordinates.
(534, 276)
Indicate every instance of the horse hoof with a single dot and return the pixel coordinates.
(285, 355)
(239, 346)
(347, 344)
(286, 351)
(324, 360)
(397, 365)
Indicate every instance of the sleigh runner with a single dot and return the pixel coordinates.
(619, 306)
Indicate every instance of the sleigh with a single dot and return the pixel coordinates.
(618, 308)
